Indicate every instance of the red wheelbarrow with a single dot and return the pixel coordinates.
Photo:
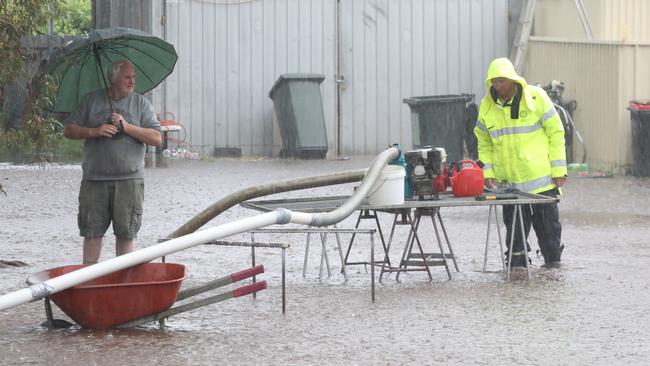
(136, 295)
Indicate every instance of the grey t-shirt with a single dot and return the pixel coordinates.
(122, 156)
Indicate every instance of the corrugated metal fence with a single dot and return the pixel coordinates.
(231, 53)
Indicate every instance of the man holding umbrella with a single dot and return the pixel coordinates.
(116, 124)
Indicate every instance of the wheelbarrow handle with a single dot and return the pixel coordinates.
(249, 289)
(249, 272)
(223, 281)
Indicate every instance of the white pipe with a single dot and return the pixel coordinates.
(279, 216)
(348, 207)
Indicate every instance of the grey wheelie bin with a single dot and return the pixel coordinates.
(640, 111)
(440, 121)
(299, 109)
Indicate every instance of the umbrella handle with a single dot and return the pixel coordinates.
(101, 71)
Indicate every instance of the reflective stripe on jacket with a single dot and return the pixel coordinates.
(526, 152)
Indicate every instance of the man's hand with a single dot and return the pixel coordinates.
(118, 121)
(105, 130)
(559, 181)
(491, 183)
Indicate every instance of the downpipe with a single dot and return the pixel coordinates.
(280, 216)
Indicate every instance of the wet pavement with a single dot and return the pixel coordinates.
(592, 311)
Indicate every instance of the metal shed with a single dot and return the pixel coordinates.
(373, 54)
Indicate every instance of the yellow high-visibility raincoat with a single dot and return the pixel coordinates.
(527, 152)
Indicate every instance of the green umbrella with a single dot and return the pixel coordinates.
(79, 67)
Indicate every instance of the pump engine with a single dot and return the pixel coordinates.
(427, 172)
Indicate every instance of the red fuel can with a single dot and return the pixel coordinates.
(466, 179)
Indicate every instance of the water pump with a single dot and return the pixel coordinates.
(427, 171)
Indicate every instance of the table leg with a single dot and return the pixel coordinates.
(409, 243)
(372, 266)
(381, 237)
(390, 240)
(323, 255)
(517, 216)
(253, 265)
(511, 241)
(523, 238)
(164, 141)
(496, 220)
(284, 295)
(444, 232)
(304, 265)
(487, 236)
(494, 208)
(440, 246)
(414, 238)
(356, 226)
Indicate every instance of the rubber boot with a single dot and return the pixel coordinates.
(554, 261)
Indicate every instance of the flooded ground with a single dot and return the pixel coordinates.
(592, 311)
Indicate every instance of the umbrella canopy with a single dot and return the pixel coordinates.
(80, 66)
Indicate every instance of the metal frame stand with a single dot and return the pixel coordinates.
(487, 237)
(517, 216)
(424, 259)
(336, 231)
(366, 215)
(406, 219)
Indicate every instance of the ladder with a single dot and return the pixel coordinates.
(524, 26)
(584, 19)
(522, 33)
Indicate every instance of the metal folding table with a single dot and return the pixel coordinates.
(430, 208)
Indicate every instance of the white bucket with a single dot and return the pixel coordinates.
(389, 187)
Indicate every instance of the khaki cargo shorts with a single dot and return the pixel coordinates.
(116, 201)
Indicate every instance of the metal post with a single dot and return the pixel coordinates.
(372, 265)
(496, 219)
(523, 238)
(512, 238)
(441, 247)
(390, 240)
(444, 232)
(304, 265)
(338, 244)
(284, 296)
(48, 314)
(253, 261)
(487, 237)
(356, 226)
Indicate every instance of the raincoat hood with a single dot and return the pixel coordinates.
(503, 68)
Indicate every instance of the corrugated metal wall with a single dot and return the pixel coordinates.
(626, 20)
(603, 77)
(231, 53)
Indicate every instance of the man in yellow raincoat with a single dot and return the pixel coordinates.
(521, 144)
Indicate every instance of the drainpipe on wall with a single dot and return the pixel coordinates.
(338, 78)
(163, 26)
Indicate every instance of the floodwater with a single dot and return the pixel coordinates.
(595, 310)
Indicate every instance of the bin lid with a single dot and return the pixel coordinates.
(640, 105)
(295, 76)
(439, 99)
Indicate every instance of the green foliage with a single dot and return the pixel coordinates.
(69, 150)
(74, 18)
(19, 18)
(40, 133)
